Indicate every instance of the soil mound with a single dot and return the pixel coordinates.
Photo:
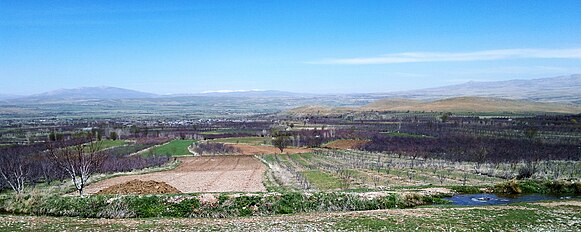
(140, 187)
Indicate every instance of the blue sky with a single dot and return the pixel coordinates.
(301, 46)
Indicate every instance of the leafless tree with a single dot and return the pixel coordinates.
(14, 169)
(79, 161)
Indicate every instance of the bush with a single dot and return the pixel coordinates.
(510, 187)
(184, 208)
(526, 171)
(146, 206)
(561, 187)
(533, 186)
(216, 148)
(288, 203)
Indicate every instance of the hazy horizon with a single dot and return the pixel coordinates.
(183, 47)
(226, 91)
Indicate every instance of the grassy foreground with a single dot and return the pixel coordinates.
(206, 205)
(541, 216)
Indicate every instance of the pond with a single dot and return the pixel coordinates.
(493, 199)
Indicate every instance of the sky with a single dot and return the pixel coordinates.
(334, 46)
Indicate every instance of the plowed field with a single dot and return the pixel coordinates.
(202, 174)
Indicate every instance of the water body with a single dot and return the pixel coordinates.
(493, 199)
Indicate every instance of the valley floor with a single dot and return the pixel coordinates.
(540, 216)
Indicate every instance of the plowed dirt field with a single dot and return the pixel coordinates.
(202, 174)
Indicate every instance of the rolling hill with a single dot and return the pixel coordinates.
(90, 93)
(553, 89)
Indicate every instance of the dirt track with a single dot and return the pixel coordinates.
(203, 174)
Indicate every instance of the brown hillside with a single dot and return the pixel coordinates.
(320, 110)
(457, 104)
(485, 104)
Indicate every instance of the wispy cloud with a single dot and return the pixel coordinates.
(415, 57)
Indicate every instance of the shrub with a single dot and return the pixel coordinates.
(531, 186)
(146, 206)
(509, 187)
(288, 203)
(184, 208)
(215, 148)
(561, 187)
(526, 171)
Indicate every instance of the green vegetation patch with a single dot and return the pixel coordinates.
(322, 180)
(105, 144)
(538, 186)
(173, 148)
(518, 217)
(222, 205)
(302, 159)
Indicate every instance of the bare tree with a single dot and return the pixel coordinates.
(14, 169)
(79, 161)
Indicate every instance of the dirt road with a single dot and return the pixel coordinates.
(203, 174)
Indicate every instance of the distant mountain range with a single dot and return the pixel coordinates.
(8, 96)
(565, 89)
(554, 89)
(104, 92)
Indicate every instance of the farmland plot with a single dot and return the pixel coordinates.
(202, 174)
(339, 169)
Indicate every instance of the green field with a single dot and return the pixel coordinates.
(105, 144)
(322, 180)
(173, 148)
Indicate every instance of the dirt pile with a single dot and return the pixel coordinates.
(140, 187)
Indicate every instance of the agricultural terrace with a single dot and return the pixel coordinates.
(352, 169)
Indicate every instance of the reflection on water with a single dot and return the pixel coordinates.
(493, 199)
